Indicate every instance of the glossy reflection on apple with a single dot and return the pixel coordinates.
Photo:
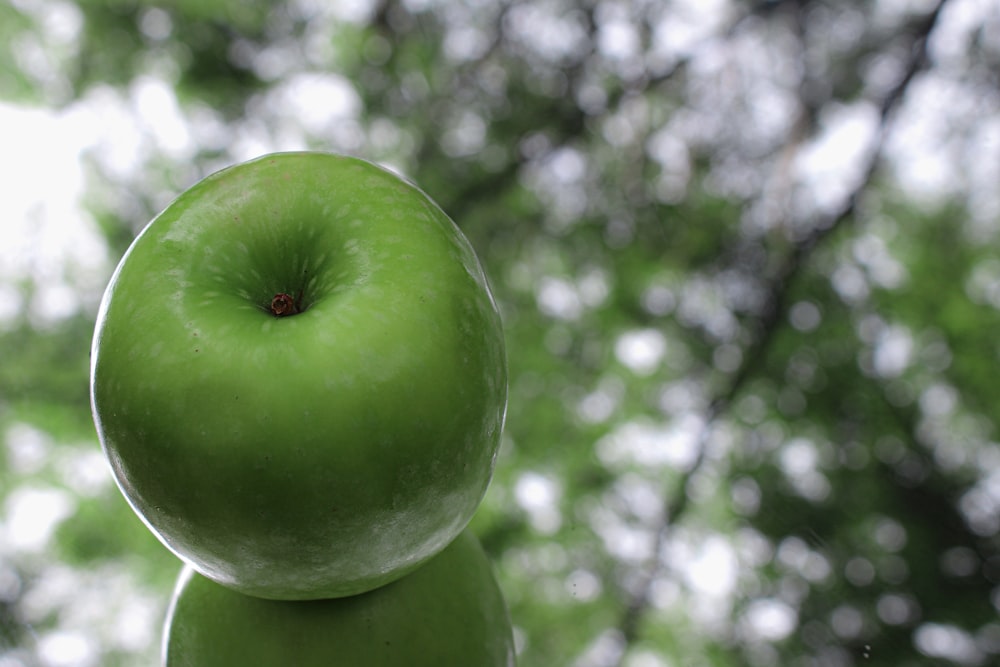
(299, 378)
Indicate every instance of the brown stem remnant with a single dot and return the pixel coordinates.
(283, 305)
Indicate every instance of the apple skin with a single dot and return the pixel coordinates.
(315, 455)
(450, 611)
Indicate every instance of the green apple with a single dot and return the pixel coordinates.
(449, 612)
(298, 376)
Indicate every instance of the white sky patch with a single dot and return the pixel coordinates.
(872, 252)
(794, 554)
(702, 303)
(639, 496)
(353, 11)
(800, 460)
(605, 649)
(939, 400)
(847, 622)
(559, 298)
(160, 116)
(593, 287)
(799, 457)
(659, 300)
(546, 30)
(567, 165)
(689, 24)
(465, 42)
(28, 448)
(108, 123)
(617, 35)
(156, 24)
(47, 235)
(805, 316)
(890, 534)
(769, 619)
(828, 166)
(645, 658)
(599, 405)
(921, 144)
(538, 495)
(622, 538)
(583, 585)
(31, 515)
(951, 643)
(319, 99)
(465, 136)
(83, 470)
(893, 352)
(892, 10)
(647, 443)
(983, 283)
(713, 568)
(641, 350)
(67, 649)
(851, 283)
(99, 607)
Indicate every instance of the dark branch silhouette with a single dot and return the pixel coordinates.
(767, 322)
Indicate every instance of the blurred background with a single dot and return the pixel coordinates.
(748, 259)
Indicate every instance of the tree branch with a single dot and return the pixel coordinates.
(768, 320)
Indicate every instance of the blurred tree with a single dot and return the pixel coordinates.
(746, 255)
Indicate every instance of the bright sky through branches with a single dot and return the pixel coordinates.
(54, 263)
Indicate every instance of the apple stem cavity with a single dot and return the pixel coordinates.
(283, 305)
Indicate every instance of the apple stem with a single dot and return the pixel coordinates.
(283, 305)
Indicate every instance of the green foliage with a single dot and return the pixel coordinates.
(751, 414)
(15, 83)
(63, 353)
